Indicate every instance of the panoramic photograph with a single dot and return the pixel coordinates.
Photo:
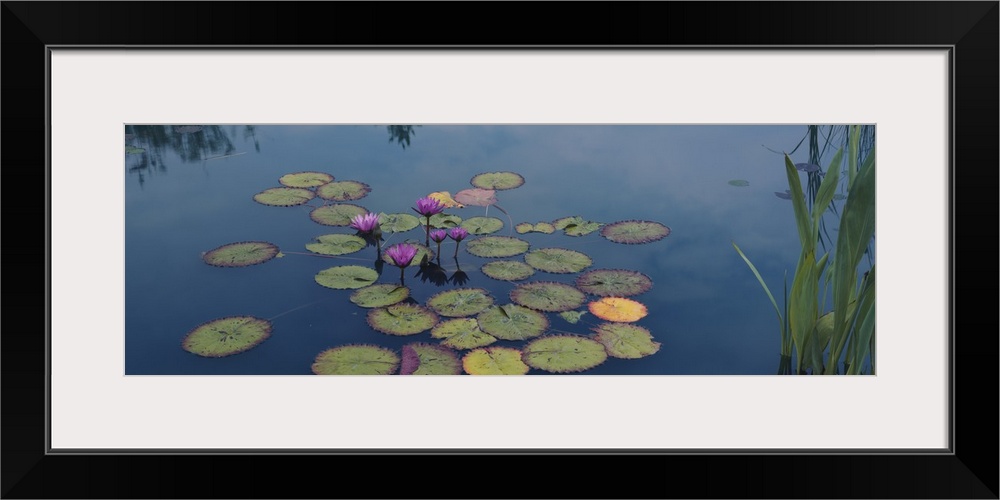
(481, 249)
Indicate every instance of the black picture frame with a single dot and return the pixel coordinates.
(968, 471)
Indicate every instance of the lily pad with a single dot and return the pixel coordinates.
(547, 296)
(576, 226)
(380, 295)
(244, 253)
(572, 317)
(337, 244)
(462, 333)
(284, 196)
(807, 167)
(445, 199)
(497, 246)
(494, 361)
(356, 359)
(429, 359)
(497, 180)
(402, 319)
(227, 336)
(614, 282)
(397, 223)
(346, 277)
(512, 322)
(618, 309)
(460, 302)
(564, 353)
(739, 183)
(482, 225)
(622, 340)
(541, 227)
(422, 250)
(634, 232)
(476, 197)
(305, 179)
(507, 270)
(441, 221)
(557, 260)
(134, 150)
(338, 214)
(343, 190)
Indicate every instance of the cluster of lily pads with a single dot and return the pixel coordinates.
(470, 327)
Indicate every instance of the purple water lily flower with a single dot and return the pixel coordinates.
(458, 234)
(402, 254)
(428, 207)
(365, 223)
(439, 235)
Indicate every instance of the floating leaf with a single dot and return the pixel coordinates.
(807, 167)
(564, 222)
(441, 221)
(402, 319)
(787, 195)
(337, 244)
(541, 227)
(572, 316)
(284, 196)
(623, 340)
(226, 336)
(397, 223)
(422, 251)
(356, 359)
(739, 183)
(346, 277)
(524, 227)
(557, 260)
(494, 361)
(497, 246)
(343, 190)
(576, 225)
(547, 296)
(618, 309)
(476, 197)
(507, 270)
(460, 302)
(244, 253)
(305, 179)
(429, 359)
(614, 282)
(512, 322)
(633, 232)
(338, 214)
(564, 353)
(380, 295)
(482, 225)
(462, 333)
(444, 198)
(133, 150)
(497, 180)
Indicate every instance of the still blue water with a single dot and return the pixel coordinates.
(192, 190)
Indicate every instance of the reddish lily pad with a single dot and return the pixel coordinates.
(356, 359)
(429, 359)
(402, 319)
(227, 336)
(614, 282)
(497, 180)
(618, 309)
(634, 232)
(244, 253)
(305, 179)
(547, 296)
(284, 196)
(343, 190)
(476, 197)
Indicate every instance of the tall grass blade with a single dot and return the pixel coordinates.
(760, 279)
(864, 325)
(802, 219)
(827, 189)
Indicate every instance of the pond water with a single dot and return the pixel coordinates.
(190, 189)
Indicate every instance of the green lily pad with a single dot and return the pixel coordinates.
(226, 336)
(343, 190)
(572, 317)
(627, 341)
(338, 214)
(739, 183)
(305, 179)
(512, 322)
(422, 250)
(613, 282)
(564, 353)
(564, 222)
(497, 180)
(462, 333)
(346, 277)
(557, 260)
(244, 253)
(494, 361)
(541, 227)
(497, 246)
(576, 225)
(337, 244)
(441, 221)
(547, 296)
(429, 359)
(482, 225)
(397, 223)
(380, 295)
(402, 319)
(634, 232)
(507, 270)
(460, 302)
(356, 359)
(284, 196)
(134, 150)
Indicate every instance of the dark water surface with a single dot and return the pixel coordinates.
(192, 190)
